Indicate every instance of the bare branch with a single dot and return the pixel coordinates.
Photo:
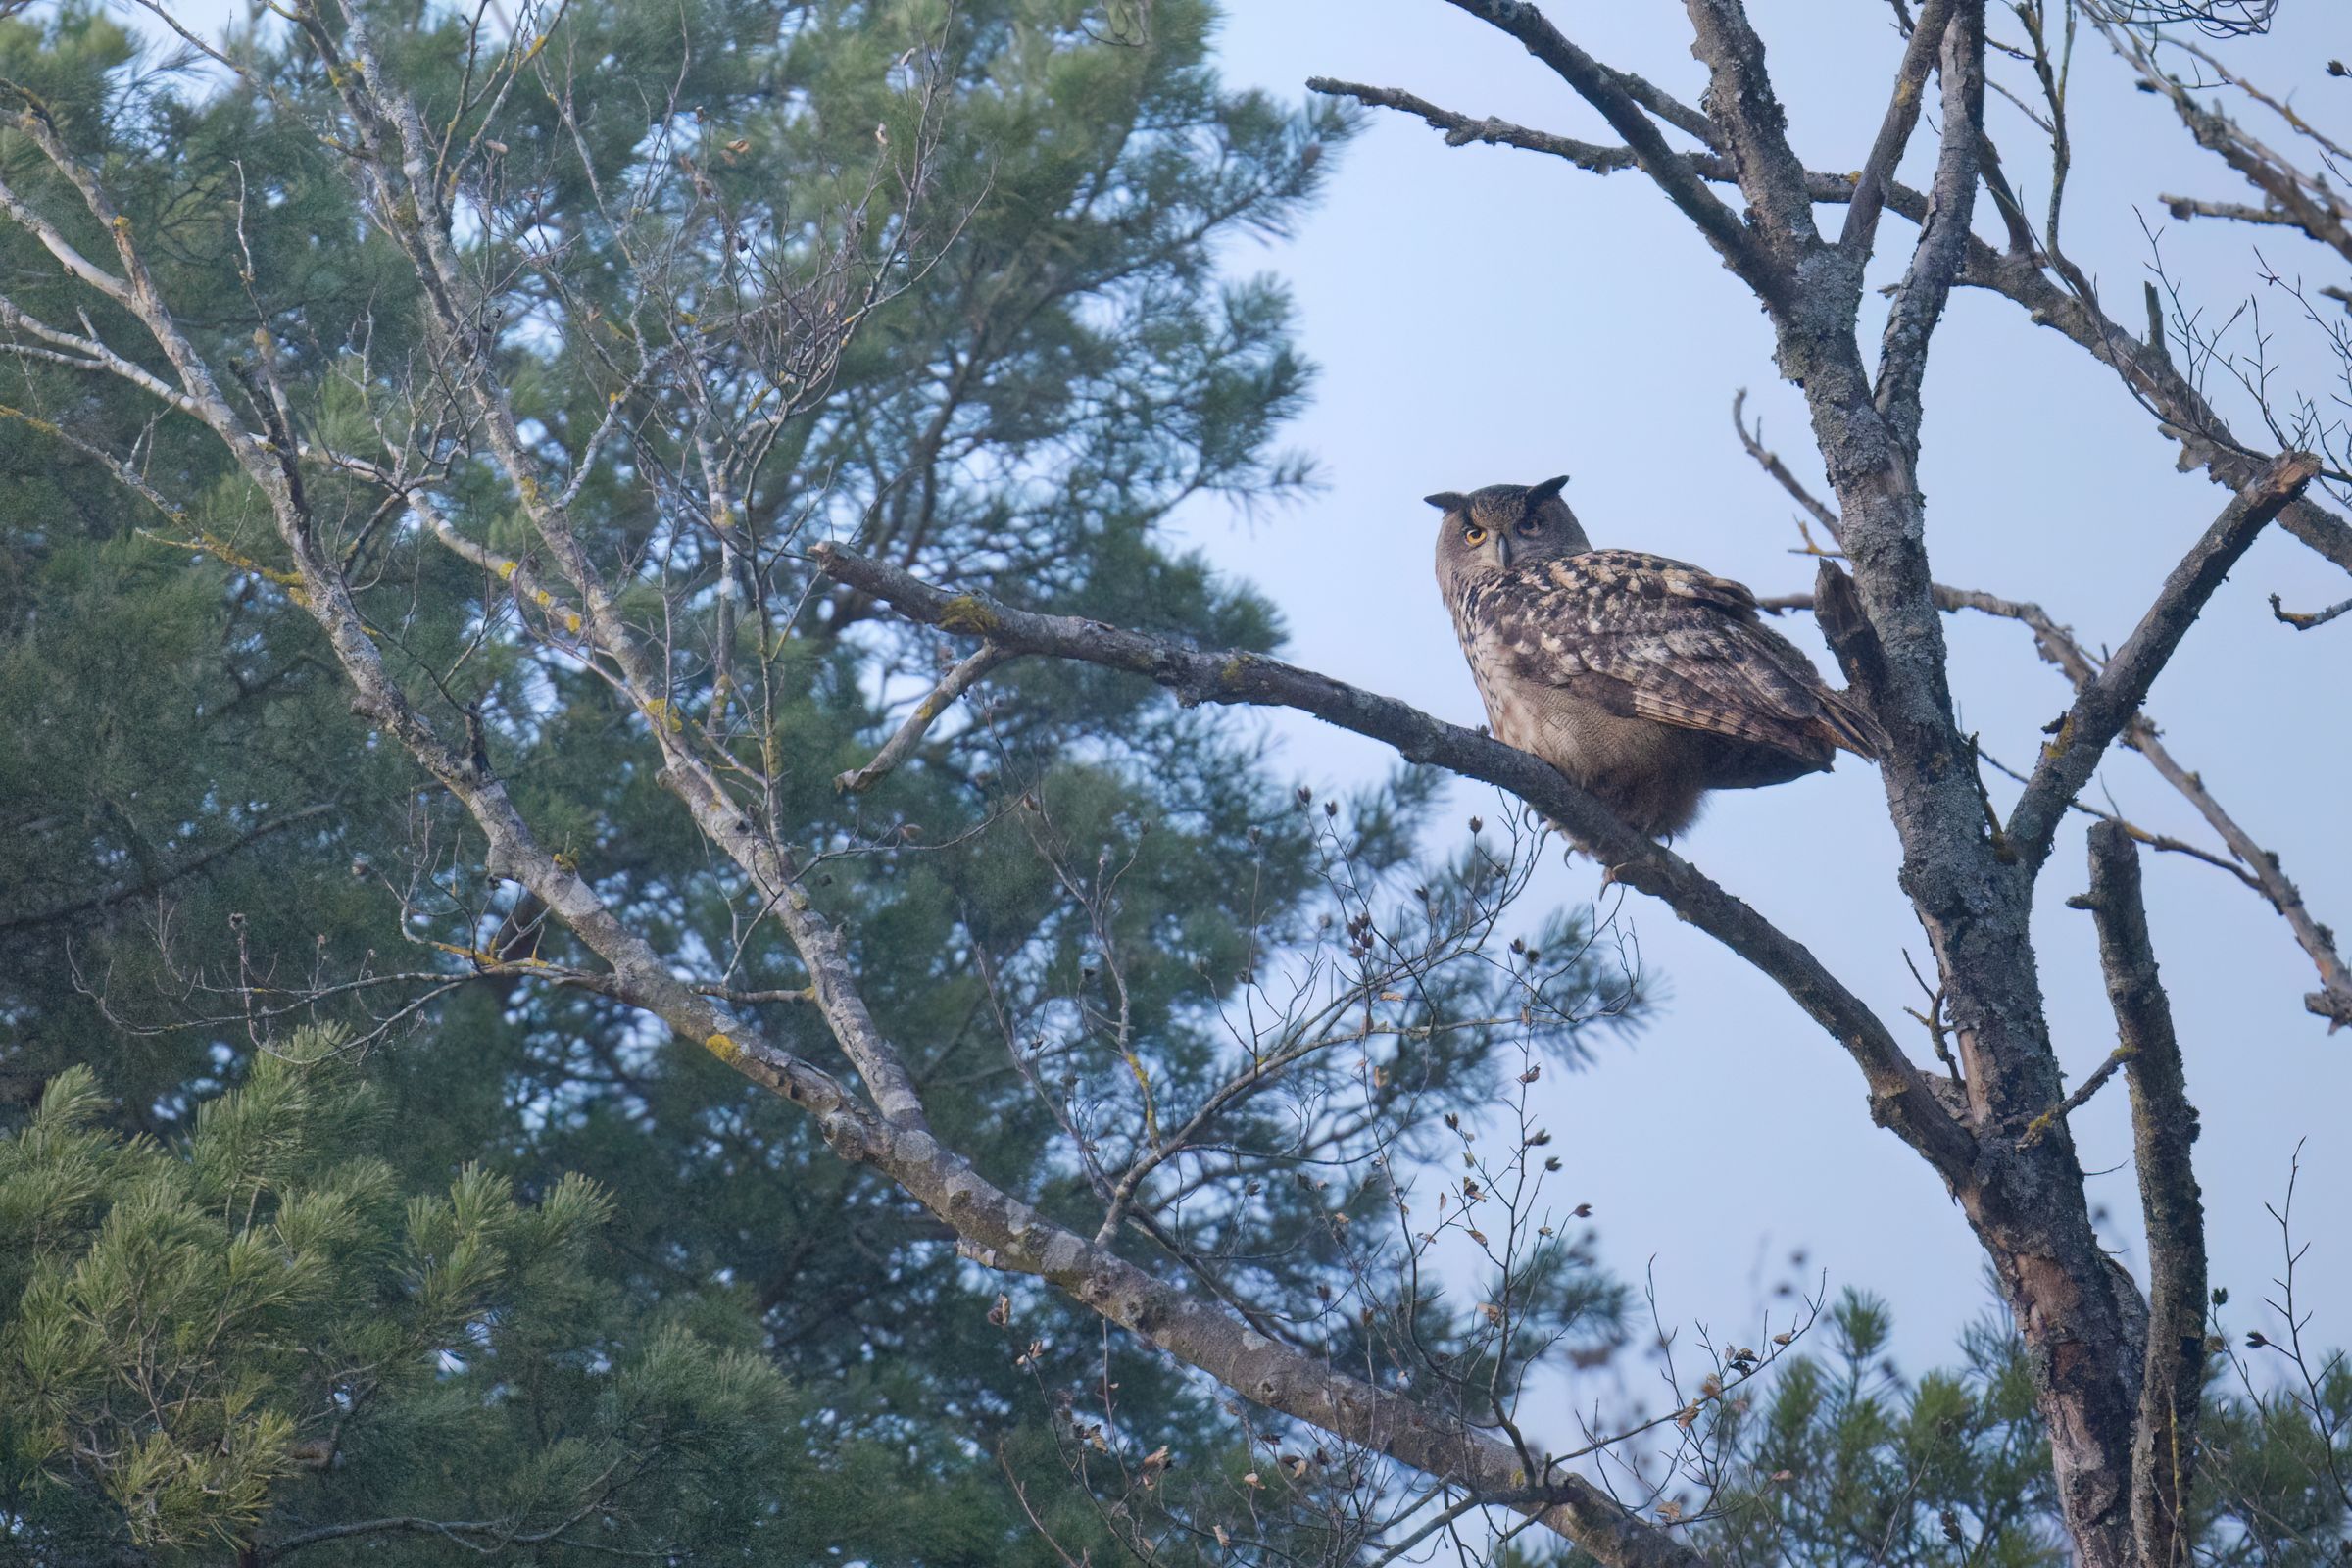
(1771, 463)
(164, 877)
(2104, 705)
(1899, 1094)
(2333, 1000)
(1894, 130)
(2306, 622)
(1607, 90)
(1462, 129)
(1944, 235)
(901, 745)
(2039, 1127)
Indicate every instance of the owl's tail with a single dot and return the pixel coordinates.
(1850, 725)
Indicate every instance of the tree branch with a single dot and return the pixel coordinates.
(2333, 1000)
(2164, 1124)
(1770, 462)
(2307, 620)
(1894, 130)
(2107, 703)
(1751, 128)
(1900, 1096)
(1462, 129)
(1944, 234)
(1607, 90)
(909, 735)
(163, 878)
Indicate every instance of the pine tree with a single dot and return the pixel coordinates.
(258, 1343)
(209, 849)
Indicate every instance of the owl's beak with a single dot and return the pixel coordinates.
(1502, 549)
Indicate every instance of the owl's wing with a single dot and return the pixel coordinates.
(1658, 639)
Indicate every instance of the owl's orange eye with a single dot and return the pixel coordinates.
(1474, 535)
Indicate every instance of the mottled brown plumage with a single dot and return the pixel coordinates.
(1643, 680)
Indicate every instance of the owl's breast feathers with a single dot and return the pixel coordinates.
(1645, 637)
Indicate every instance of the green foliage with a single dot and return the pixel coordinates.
(1844, 1461)
(1841, 1461)
(256, 1335)
(2274, 1485)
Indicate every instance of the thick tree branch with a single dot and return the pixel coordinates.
(1899, 1095)
(1944, 234)
(2164, 1124)
(2104, 705)
(1752, 130)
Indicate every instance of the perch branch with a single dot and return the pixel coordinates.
(1899, 1095)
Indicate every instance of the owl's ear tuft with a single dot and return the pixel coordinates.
(1547, 489)
(1449, 501)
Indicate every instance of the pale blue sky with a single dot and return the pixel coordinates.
(1486, 315)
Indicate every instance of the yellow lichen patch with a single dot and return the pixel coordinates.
(966, 614)
(722, 1046)
(37, 423)
(663, 716)
(571, 623)
(234, 559)
(507, 569)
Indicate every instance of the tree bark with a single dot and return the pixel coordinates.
(2163, 1126)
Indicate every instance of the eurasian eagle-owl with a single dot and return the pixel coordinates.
(1643, 680)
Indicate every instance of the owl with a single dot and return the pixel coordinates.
(1643, 680)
